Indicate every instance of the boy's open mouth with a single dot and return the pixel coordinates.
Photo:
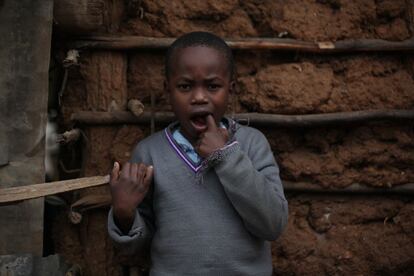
(199, 122)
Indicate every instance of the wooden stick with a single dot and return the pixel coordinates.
(120, 117)
(257, 119)
(14, 194)
(312, 120)
(404, 189)
(355, 45)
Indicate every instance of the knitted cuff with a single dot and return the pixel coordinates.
(219, 155)
(117, 235)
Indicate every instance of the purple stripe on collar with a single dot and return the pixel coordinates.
(195, 169)
(229, 145)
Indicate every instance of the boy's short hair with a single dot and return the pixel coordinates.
(200, 39)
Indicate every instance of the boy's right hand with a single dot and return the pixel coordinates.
(128, 189)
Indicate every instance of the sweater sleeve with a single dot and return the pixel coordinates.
(139, 236)
(252, 184)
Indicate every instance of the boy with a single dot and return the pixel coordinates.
(205, 192)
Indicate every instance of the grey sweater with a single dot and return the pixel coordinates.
(212, 219)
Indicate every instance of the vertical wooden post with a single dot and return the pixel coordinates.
(105, 76)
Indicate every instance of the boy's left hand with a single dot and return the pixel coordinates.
(212, 139)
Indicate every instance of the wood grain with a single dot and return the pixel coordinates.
(15, 194)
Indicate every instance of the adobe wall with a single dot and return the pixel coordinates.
(327, 234)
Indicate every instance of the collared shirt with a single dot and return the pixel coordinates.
(186, 145)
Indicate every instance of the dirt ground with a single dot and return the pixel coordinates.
(327, 234)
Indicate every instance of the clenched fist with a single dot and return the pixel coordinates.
(128, 189)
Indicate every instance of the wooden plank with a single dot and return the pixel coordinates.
(15, 194)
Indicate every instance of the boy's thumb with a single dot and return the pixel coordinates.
(115, 171)
(149, 175)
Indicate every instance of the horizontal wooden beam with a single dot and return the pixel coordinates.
(256, 119)
(355, 188)
(120, 117)
(16, 194)
(282, 44)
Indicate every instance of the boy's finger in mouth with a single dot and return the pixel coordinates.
(199, 122)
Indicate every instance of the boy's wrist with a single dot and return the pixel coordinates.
(124, 218)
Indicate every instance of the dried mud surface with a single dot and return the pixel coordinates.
(346, 236)
(326, 235)
(378, 155)
(326, 85)
(307, 20)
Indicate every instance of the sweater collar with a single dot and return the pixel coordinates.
(195, 167)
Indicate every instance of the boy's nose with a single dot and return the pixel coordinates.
(199, 96)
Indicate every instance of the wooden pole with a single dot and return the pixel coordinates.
(120, 117)
(257, 119)
(16, 194)
(284, 44)
(355, 188)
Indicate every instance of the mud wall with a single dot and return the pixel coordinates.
(327, 234)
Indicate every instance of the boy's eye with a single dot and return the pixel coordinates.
(213, 87)
(184, 87)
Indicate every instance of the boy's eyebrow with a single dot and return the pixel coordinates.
(213, 77)
(185, 78)
(208, 78)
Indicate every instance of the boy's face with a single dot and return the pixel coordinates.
(198, 85)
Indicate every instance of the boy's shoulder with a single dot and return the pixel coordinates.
(145, 148)
(248, 133)
(153, 139)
